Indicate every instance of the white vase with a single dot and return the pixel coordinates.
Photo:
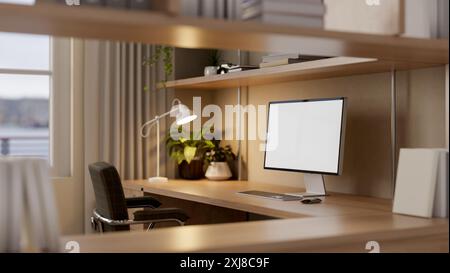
(210, 70)
(218, 171)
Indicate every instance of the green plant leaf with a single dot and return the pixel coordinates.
(209, 144)
(178, 156)
(189, 153)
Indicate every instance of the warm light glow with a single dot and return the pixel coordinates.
(186, 119)
(188, 36)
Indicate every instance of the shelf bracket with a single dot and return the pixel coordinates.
(393, 126)
(239, 124)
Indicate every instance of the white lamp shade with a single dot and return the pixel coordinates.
(183, 114)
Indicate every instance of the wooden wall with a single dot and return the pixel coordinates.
(367, 161)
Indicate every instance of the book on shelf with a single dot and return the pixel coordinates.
(278, 56)
(293, 20)
(277, 60)
(306, 13)
(239, 68)
(308, 8)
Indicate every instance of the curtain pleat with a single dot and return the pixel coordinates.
(124, 106)
(123, 92)
(146, 112)
(116, 102)
(154, 105)
(138, 120)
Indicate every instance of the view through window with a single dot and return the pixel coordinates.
(25, 76)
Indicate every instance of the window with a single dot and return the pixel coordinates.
(25, 82)
(35, 106)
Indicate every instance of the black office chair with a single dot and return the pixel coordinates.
(111, 212)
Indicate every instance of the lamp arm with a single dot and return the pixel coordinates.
(167, 113)
(152, 122)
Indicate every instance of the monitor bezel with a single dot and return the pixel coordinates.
(341, 135)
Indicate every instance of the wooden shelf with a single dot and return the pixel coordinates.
(325, 68)
(160, 28)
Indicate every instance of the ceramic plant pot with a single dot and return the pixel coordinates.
(218, 171)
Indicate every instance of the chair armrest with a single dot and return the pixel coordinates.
(145, 217)
(142, 202)
(161, 214)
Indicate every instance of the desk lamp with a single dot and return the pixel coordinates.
(183, 116)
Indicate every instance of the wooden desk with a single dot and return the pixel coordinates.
(225, 194)
(394, 233)
(342, 223)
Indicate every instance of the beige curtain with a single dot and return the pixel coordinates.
(115, 106)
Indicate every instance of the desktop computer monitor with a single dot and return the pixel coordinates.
(306, 136)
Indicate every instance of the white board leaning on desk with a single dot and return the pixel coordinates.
(422, 183)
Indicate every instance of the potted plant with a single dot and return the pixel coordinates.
(189, 155)
(217, 160)
(215, 60)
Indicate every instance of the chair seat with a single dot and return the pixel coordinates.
(162, 213)
(111, 210)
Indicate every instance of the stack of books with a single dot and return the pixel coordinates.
(239, 68)
(302, 13)
(278, 59)
(231, 68)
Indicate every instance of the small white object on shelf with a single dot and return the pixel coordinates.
(210, 70)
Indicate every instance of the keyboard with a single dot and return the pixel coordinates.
(272, 195)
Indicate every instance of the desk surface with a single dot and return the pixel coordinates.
(394, 233)
(342, 223)
(225, 194)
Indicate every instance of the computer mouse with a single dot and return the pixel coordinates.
(311, 201)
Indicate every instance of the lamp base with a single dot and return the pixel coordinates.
(158, 179)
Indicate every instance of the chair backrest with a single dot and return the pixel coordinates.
(109, 195)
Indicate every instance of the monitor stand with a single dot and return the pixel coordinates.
(314, 185)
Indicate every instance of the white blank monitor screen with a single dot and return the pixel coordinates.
(305, 136)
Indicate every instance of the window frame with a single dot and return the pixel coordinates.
(59, 96)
